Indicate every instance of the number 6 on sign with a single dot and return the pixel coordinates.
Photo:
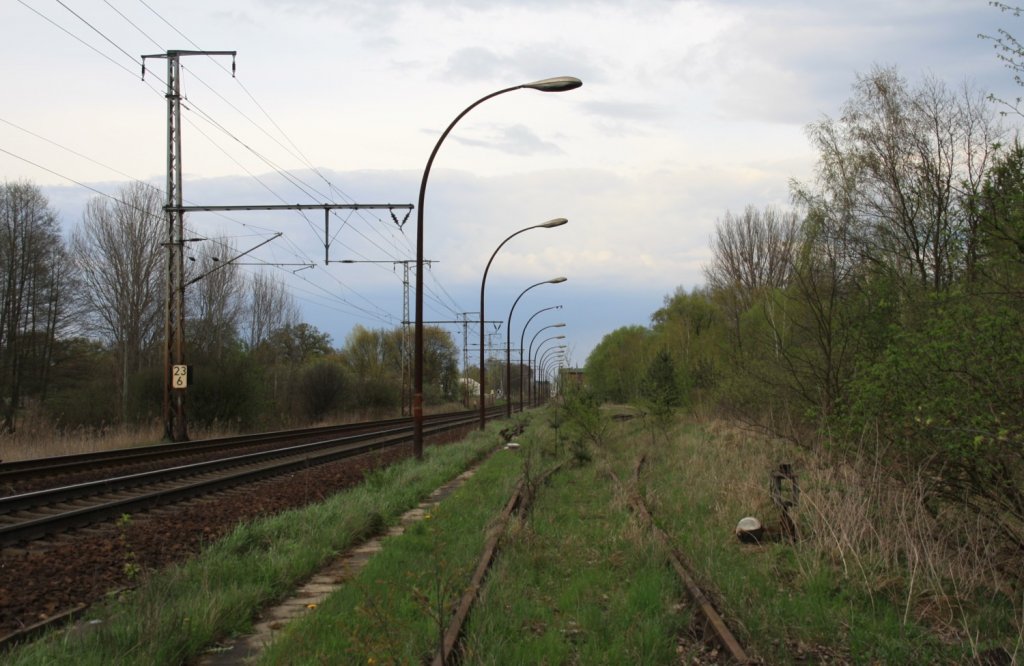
(179, 376)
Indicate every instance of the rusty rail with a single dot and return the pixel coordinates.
(519, 501)
(714, 619)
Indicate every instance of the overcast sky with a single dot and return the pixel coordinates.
(688, 109)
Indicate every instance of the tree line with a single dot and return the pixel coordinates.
(883, 314)
(82, 329)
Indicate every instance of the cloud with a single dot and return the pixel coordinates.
(514, 140)
(618, 110)
(519, 64)
(789, 62)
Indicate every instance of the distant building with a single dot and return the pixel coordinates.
(571, 376)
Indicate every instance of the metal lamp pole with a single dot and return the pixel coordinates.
(553, 365)
(556, 222)
(508, 343)
(542, 358)
(557, 84)
(522, 347)
(529, 356)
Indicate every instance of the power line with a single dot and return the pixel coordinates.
(96, 30)
(390, 239)
(132, 24)
(79, 39)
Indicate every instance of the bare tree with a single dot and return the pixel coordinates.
(752, 253)
(270, 308)
(899, 166)
(215, 298)
(118, 259)
(32, 294)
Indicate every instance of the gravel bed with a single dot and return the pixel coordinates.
(83, 567)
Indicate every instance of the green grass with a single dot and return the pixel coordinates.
(781, 599)
(577, 582)
(397, 607)
(175, 613)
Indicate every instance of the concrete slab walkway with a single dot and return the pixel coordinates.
(245, 649)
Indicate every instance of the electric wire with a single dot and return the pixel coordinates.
(76, 37)
(132, 24)
(294, 181)
(301, 156)
(125, 69)
(297, 153)
(96, 30)
(262, 231)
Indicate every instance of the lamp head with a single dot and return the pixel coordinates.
(559, 337)
(556, 84)
(557, 222)
(558, 325)
(557, 280)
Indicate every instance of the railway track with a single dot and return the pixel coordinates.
(25, 517)
(717, 628)
(22, 476)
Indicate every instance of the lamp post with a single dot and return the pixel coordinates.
(542, 358)
(555, 364)
(557, 84)
(508, 342)
(556, 222)
(549, 363)
(551, 368)
(522, 339)
(529, 356)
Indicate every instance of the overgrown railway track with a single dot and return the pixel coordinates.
(716, 627)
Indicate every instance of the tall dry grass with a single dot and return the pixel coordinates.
(938, 561)
(36, 438)
(886, 532)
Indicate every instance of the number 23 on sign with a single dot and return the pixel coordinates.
(179, 376)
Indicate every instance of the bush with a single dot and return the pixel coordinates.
(321, 387)
(945, 396)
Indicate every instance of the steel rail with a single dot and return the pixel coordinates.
(38, 468)
(259, 466)
(723, 634)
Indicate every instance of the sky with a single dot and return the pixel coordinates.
(688, 109)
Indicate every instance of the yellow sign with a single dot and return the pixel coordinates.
(179, 376)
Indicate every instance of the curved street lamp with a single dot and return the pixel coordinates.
(556, 222)
(545, 359)
(508, 342)
(552, 370)
(557, 84)
(522, 347)
(542, 361)
(542, 343)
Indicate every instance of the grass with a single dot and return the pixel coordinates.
(398, 607)
(874, 579)
(175, 613)
(848, 587)
(40, 440)
(578, 582)
(37, 437)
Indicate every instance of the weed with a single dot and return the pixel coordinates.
(583, 417)
(129, 566)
